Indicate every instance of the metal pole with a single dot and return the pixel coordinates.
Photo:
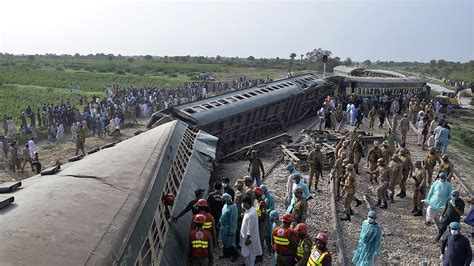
(324, 70)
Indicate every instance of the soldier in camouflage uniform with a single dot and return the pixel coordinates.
(395, 167)
(383, 172)
(357, 153)
(419, 189)
(348, 191)
(300, 208)
(316, 162)
(407, 167)
(447, 167)
(430, 162)
(372, 156)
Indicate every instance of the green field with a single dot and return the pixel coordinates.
(46, 79)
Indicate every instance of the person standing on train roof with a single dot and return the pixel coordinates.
(256, 170)
(200, 244)
(370, 242)
(198, 193)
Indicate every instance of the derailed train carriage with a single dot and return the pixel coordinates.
(243, 116)
(105, 208)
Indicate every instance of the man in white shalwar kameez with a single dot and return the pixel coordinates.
(31, 148)
(249, 235)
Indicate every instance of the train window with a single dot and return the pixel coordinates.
(259, 91)
(215, 103)
(246, 95)
(270, 89)
(189, 110)
(199, 108)
(223, 101)
(239, 97)
(208, 106)
(280, 86)
(289, 82)
(264, 90)
(230, 99)
(253, 93)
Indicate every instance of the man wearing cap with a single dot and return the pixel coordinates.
(372, 116)
(370, 242)
(446, 166)
(404, 127)
(270, 204)
(407, 167)
(285, 242)
(373, 155)
(200, 243)
(452, 212)
(255, 168)
(300, 208)
(419, 189)
(316, 162)
(384, 174)
(385, 151)
(437, 197)
(389, 137)
(456, 248)
(430, 162)
(358, 153)
(198, 193)
(228, 228)
(348, 191)
(249, 235)
(395, 167)
(297, 183)
(337, 172)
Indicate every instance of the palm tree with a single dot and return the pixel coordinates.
(292, 56)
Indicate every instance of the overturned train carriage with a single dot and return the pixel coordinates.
(243, 116)
(106, 208)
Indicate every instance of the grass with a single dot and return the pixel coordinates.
(462, 135)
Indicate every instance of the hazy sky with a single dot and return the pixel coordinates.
(411, 30)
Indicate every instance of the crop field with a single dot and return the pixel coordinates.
(35, 81)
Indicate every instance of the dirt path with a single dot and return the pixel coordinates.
(50, 153)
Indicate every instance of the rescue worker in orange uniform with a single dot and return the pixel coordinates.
(285, 242)
(210, 224)
(305, 245)
(320, 255)
(261, 209)
(200, 243)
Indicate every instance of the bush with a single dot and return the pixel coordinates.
(119, 72)
(173, 75)
(59, 68)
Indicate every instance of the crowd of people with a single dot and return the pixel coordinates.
(100, 117)
(247, 222)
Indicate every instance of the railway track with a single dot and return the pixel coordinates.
(339, 256)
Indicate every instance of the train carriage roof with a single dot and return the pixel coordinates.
(218, 107)
(82, 214)
(385, 80)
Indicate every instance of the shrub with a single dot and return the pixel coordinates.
(173, 75)
(119, 72)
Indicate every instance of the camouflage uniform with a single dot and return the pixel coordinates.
(419, 189)
(373, 155)
(430, 162)
(316, 161)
